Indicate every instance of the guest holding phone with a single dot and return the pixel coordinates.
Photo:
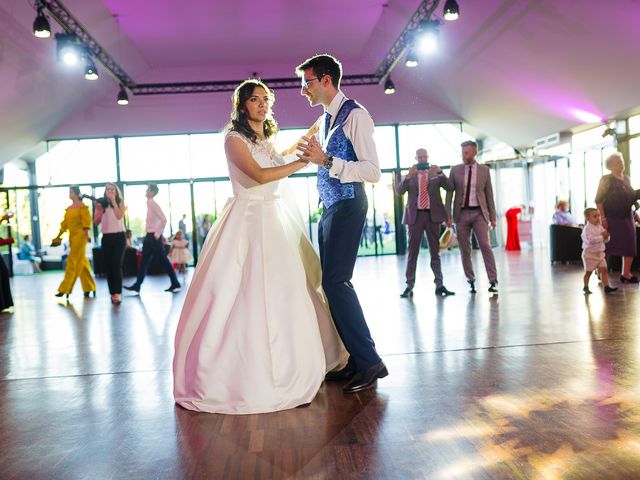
(424, 212)
(111, 215)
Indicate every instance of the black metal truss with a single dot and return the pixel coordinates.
(424, 12)
(71, 25)
(231, 85)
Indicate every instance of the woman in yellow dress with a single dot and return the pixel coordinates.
(77, 220)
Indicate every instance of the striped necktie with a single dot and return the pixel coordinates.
(423, 192)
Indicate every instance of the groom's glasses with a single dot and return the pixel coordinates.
(307, 81)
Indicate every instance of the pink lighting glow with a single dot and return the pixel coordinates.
(586, 117)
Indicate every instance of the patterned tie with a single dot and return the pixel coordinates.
(327, 123)
(468, 191)
(423, 193)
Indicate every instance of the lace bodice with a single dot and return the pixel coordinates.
(264, 153)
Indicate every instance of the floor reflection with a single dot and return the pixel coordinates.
(536, 382)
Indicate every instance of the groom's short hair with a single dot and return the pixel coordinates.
(322, 65)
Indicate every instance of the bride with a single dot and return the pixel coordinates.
(255, 333)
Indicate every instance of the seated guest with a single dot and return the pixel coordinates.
(562, 215)
(129, 236)
(28, 252)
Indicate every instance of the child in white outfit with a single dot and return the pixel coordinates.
(179, 253)
(594, 236)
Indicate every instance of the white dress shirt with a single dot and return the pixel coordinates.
(156, 221)
(592, 239)
(358, 128)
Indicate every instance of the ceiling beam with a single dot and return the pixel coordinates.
(70, 24)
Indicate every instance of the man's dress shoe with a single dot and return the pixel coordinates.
(345, 373)
(366, 378)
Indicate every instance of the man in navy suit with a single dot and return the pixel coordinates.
(346, 156)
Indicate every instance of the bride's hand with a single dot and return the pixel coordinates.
(310, 133)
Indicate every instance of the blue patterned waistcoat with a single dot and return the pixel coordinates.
(337, 144)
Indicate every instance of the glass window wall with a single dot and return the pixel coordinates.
(634, 125)
(76, 162)
(441, 140)
(634, 157)
(156, 158)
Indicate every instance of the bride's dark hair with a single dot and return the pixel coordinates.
(239, 120)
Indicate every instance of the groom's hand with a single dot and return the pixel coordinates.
(311, 151)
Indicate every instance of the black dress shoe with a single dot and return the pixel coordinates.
(174, 288)
(493, 288)
(472, 287)
(62, 294)
(443, 292)
(586, 290)
(345, 373)
(366, 379)
(608, 289)
(408, 292)
(133, 288)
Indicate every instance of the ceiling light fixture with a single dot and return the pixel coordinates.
(90, 71)
(68, 48)
(41, 27)
(412, 58)
(389, 87)
(123, 98)
(429, 36)
(451, 11)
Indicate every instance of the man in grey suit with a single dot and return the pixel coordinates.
(424, 212)
(473, 210)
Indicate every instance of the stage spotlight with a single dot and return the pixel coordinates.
(41, 27)
(68, 48)
(428, 36)
(123, 98)
(90, 70)
(389, 87)
(412, 57)
(451, 11)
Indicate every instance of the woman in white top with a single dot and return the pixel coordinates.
(110, 213)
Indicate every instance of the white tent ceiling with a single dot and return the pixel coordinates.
(513, 69)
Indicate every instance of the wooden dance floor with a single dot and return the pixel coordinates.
(538, 382)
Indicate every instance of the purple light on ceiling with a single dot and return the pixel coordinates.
(586, 116)
(561, 102)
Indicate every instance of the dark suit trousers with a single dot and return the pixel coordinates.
(150, 248)
(339, 238)
(422, 224)
(113, 245)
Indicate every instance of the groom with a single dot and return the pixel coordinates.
(346, 157)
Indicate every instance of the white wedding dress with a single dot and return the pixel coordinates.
(255, 334)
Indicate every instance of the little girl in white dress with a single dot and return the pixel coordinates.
(179, 253)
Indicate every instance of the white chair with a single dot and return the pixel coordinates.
(21, 267)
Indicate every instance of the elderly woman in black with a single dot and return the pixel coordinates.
(614, 200)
